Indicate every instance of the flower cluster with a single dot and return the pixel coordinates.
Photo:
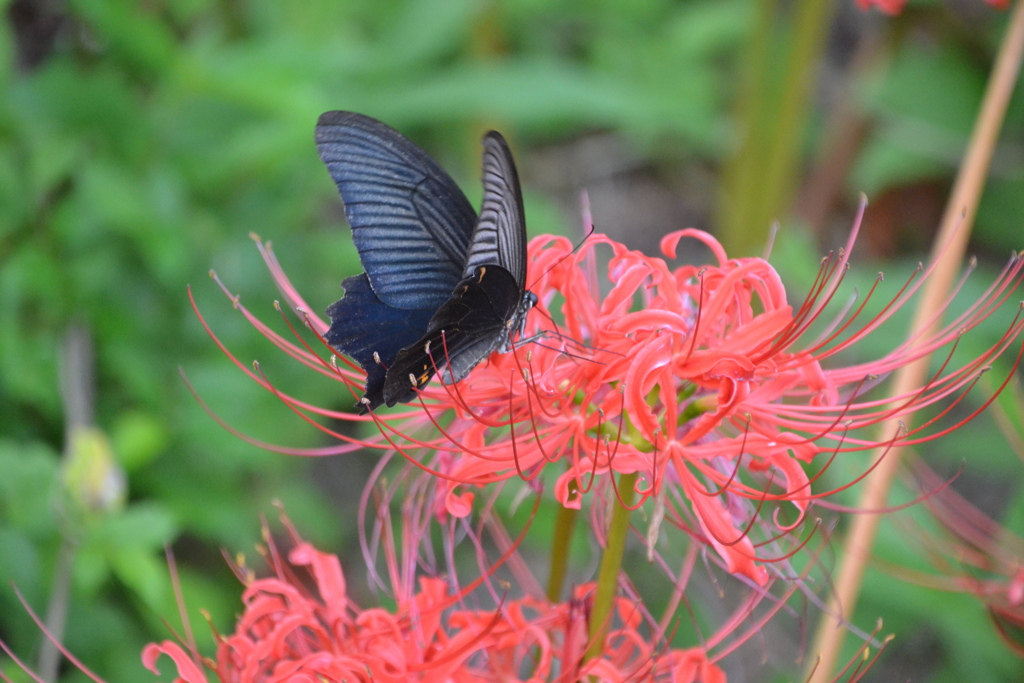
(290, 632)
(300, 624)
(893, 7)
(973, 553)
(695, 379)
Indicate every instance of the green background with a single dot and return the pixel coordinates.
(141, 143)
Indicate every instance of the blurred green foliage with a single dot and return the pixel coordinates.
(140, 144)
(141, 149)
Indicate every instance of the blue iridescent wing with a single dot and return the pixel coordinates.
(410, 222)
(362, 325)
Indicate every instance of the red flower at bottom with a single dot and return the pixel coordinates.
(288, 633)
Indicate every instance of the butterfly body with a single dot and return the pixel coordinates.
(442, 288)
(482, 315)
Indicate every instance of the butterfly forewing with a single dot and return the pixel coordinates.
(410, 222)
(500, 234)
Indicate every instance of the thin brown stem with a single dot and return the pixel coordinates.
(949, 248)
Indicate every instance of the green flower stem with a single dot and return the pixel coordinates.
(611, 563)
(565, 525)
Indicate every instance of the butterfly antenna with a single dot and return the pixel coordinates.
(575, 249)
(564, 352)
(556, 333)
(584, 345)
(534, 340)
(565, 338)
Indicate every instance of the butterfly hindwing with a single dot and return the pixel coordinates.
(477, 320)
(410, 222)
(361, 325)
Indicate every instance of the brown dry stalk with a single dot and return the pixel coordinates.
(954, 231)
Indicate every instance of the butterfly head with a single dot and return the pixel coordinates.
(529, 301)
(518, 321)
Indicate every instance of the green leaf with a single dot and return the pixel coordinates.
(709, 27)
(148, 526)
(521, 92)
(925, 102)
(19, 563)
(145, 575)
(27, 487)
(998, 222)
(133, 32)
(425, 30)
(138, 438)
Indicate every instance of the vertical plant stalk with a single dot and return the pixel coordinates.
(611, 564)
(735, 205)
(811, 26)
(77, 386)
(57, 610)
(762, 179)
(954, 231)
(565, 525)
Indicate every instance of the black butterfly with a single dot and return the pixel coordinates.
(442, 288)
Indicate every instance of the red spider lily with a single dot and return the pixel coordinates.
(690, 376)
(300, 624)
(290, 632)
(893, 7)
(286, 636)
(975, 554)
